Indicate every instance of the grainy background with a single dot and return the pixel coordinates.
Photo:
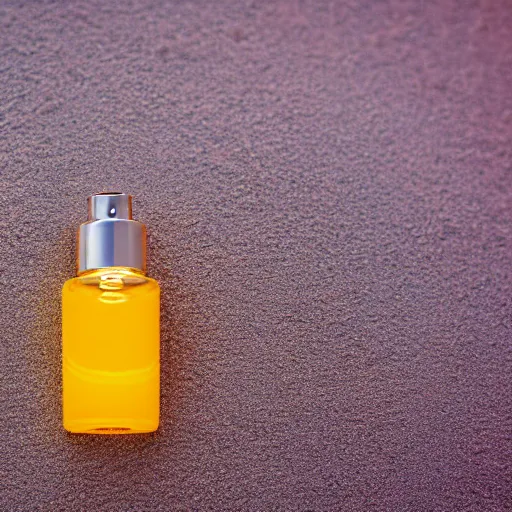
(328, 192)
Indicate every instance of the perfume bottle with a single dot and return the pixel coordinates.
(111, 326)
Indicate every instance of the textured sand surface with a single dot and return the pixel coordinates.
(328, 193)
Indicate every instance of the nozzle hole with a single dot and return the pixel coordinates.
(112, 212)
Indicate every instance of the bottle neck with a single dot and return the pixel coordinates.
(106, 270)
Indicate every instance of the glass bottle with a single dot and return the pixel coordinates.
(111, 326)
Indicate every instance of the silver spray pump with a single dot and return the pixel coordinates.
(110, 237)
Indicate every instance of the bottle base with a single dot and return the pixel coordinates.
(106, 427)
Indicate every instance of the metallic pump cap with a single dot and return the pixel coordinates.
(110, 237)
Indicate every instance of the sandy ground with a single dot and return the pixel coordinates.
(328, 192)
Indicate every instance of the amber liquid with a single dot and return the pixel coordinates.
(110, 352)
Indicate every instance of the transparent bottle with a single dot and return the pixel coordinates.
(110, 326)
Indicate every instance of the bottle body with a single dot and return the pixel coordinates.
(111, 352)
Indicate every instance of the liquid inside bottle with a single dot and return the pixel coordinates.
(110, 352)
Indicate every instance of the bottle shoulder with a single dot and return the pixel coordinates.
(111, 279)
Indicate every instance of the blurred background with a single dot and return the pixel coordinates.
(327, 188)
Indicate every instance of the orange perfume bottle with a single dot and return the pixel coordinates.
(111, 326)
